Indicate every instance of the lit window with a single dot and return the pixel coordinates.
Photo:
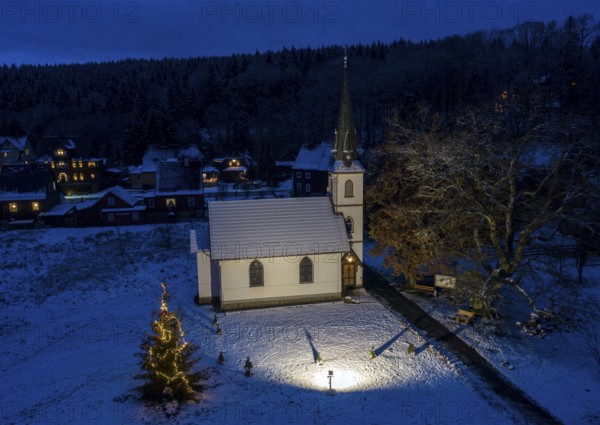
(62, 177)
(13, 207)
(60, 152)
(257, 275)
(4, 154)
(307, 175)
(92, 176)
(191, 201)
(111, 217)
(27, 151)
(306, 270)
(35, 206)
(111, 201)
(91, 164)
(74, 164)
(349, 224)
(62, 164)
(80, 164)
(171, 203)
(52, 164)
(349, 189)
(81, 176)
(75, 176)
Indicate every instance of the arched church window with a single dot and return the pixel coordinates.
(257, 276)
(306, 270)
(349, 189)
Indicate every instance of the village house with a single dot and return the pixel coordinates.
(310, 172)
(15, 150)
(145, 176)
(266, 252)
(179, 191)
(75, 174)
(26, 191)
(116, 207)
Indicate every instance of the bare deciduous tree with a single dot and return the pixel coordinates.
(478, 194)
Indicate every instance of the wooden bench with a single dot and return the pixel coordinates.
(464, 316)
(424, 288)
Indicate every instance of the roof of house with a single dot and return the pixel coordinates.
(314, 157)
(23, 182)
(59, 210)
(117, 191)
(175, 175)
(17, 142)
(274, 228)
(155, 154)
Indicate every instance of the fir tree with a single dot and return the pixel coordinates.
(248, 366)
(411, 349)
(219, 331)
(319, 360)
(221, 359)
(167, 359)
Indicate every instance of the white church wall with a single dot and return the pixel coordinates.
(281, 281)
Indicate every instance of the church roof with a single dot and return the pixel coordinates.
(313, 157)
(264, 228)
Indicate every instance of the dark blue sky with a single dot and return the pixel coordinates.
(36, 31)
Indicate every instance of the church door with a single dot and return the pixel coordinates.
(349, 271)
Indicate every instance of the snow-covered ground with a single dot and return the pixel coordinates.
(75, 304)
(556, 370)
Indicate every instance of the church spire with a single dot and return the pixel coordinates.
(345, 146)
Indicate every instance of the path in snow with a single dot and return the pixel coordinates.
(380, 289)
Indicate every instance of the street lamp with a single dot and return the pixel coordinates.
(329, 376)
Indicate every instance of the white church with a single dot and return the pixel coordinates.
(271, 252)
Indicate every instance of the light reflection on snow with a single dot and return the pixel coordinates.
(343, 379)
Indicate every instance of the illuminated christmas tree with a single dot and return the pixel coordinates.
(167, 359)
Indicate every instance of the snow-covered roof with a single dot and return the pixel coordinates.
(18, 142)
(200, 238)
(156, 154)
(59, 210)
(121, 193)
(210, 169)
(275, 228)
(313, 157)
(30, 196)
(117, 191)
(236, 169)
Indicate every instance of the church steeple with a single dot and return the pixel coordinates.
(345, 145)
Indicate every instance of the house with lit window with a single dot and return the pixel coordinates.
(26, 191)
(270, 252)
(15, 150)
(115, 207)
(75, 174)
(179, 191)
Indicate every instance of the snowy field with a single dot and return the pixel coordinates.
(555, 370)
(75, 304)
